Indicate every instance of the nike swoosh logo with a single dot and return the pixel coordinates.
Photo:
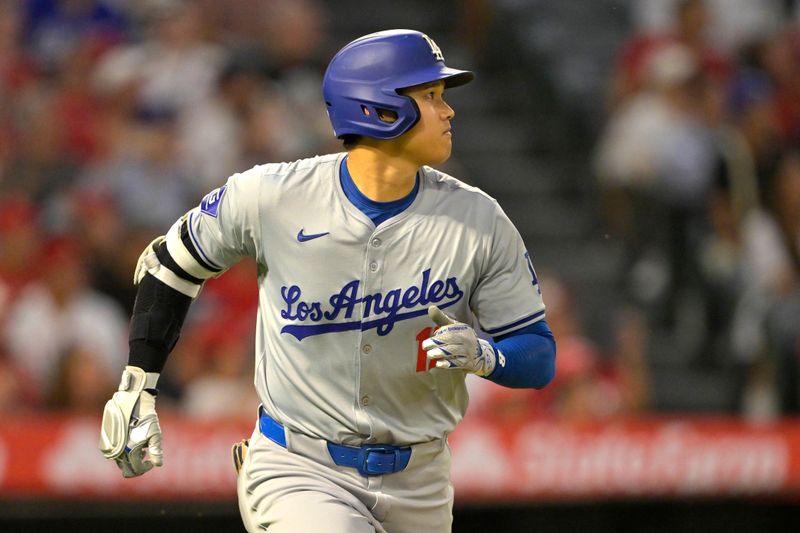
(302, 237)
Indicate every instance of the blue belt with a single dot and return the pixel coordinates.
(369, 460)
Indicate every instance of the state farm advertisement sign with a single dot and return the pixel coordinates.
(710, 457)
(57, 457)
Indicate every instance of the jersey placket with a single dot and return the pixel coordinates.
(369, 344)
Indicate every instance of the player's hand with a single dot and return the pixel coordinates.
(130, 432)
(456, 345)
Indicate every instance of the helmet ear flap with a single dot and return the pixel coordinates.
(368, 118)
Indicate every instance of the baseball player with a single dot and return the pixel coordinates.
(373, 269)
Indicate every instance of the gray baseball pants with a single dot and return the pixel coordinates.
(300, 489)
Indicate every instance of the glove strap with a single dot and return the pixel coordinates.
(490, 358)
(134, 379)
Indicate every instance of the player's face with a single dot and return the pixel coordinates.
(430, 141)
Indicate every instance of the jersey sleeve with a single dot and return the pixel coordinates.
(225, 227)
(507, 296)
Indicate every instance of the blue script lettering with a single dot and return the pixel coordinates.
(303, 310)
(346, 300)
(380, 311)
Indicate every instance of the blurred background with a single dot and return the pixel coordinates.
(648, 151)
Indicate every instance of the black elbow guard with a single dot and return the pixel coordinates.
(158, 316)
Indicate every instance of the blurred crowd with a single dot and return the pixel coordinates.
(116, 117)
(699, 169)
(697, 174)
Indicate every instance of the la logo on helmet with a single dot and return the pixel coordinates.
(437, 52)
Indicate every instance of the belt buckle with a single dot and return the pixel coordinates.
(364, 453)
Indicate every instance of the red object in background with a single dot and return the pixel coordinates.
(543, 460)
(639, 49)
(78, 113)
(17, 212)
(58, 249)
(234, 301)
(19, 242)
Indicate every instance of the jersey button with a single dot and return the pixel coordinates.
(367, 348)
(365, 400)
(376, 242)
(373, 266)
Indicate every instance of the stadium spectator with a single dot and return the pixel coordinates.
(18, 70)
(780, 59)
(39, 166)
(110, 246)
(782, 324)
(212, 134)
(690, 29)
(291, 38)
(590, 383)
(80, 383)
(143, 177)
(20, 241)
(53, 28)
(223, 389)
(59, 312)
(655, 162)
(11, 394)
(175, 66)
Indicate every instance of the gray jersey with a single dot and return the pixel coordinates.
(343, 304)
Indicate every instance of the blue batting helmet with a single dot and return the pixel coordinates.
(366, 75)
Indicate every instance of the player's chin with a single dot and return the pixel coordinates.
(442, 154)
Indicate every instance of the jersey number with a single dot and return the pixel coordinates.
(533, 272)
(423, 365)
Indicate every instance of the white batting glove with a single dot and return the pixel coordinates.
(455, 345)
(130, 433)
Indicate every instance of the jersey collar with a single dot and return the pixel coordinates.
(357, 213)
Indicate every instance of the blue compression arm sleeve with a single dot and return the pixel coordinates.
(530, 355)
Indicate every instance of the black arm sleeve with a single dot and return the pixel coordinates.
(158, 315)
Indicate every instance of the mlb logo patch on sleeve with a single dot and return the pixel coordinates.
(210, 203)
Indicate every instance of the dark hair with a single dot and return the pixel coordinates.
(350, 140)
